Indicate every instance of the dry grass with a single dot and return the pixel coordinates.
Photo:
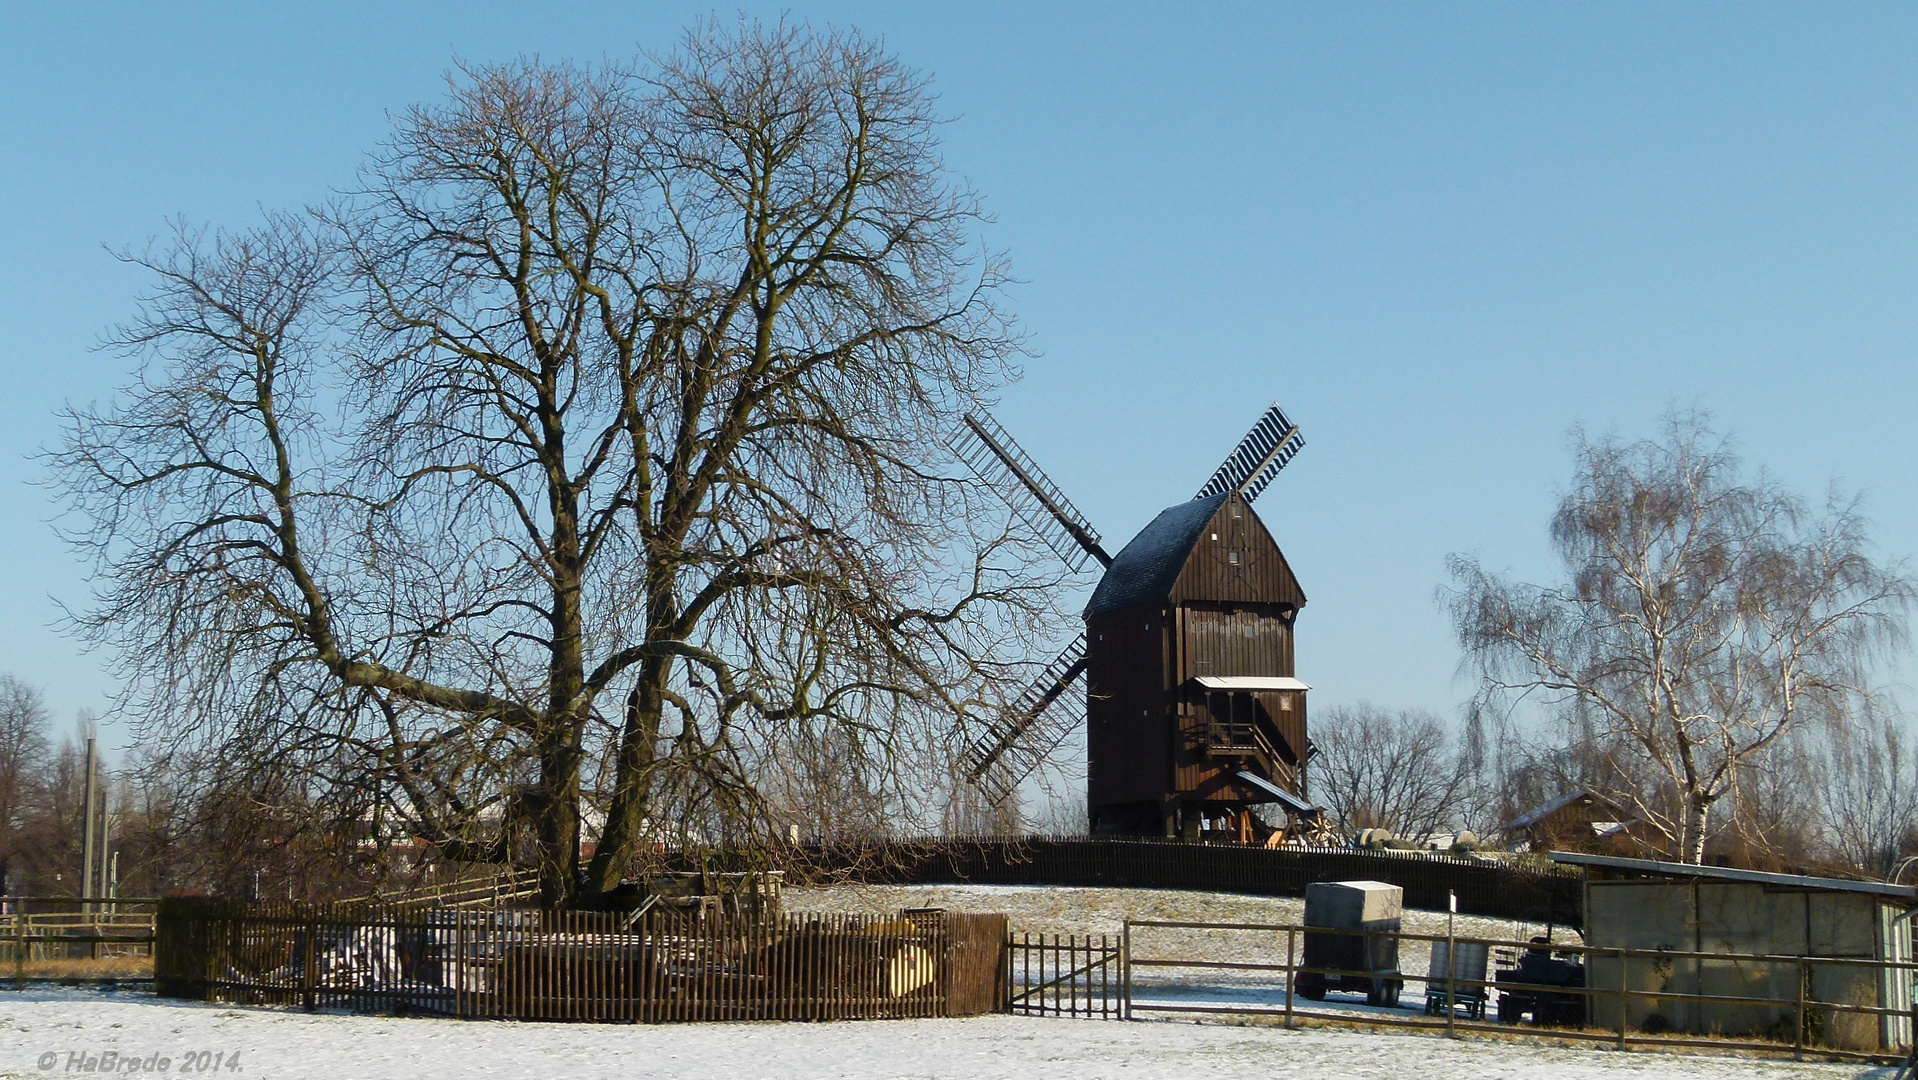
(106, 967)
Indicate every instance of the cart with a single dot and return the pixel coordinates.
(1457, 968)
(1365, 959)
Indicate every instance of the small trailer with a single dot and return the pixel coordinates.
(1458, 970)
(1365, 959)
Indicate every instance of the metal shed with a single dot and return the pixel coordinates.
(1763, 923)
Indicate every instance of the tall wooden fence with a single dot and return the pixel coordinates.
(1484, 886)
(596, 966)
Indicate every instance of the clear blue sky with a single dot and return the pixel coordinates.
(1440, 235)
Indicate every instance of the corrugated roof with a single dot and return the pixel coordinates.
(1656, 868)
(1147, 568)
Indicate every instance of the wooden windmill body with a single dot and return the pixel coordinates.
(1192, 709)
(1194, 713)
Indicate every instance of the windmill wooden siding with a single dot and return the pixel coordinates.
(1261, 576)
(1202, 591)
(1129, 663)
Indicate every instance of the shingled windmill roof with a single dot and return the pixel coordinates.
(1147, 568)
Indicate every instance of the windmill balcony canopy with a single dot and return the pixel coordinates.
(1250, 682)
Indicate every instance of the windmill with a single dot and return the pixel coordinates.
(1192, 711)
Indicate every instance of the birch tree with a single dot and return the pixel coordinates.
(1703, 614)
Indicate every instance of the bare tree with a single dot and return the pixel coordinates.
(1703, 617)
(590, 454)
(1867, 786)
(1393, 770)
(23, 766)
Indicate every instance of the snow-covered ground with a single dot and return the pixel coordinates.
(1104, 911)
(40, 1030)
(1081, 910)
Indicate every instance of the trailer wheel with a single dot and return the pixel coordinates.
(1310, 987)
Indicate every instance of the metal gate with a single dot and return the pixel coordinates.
(1066, 975)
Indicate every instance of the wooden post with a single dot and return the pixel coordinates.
(1451, 964)
(458, 964)
(1105, 979)
(1798, 1037)
(1291, 971)
(1005, 963)
(1624, 998)
(306, 966)
(1125, 973)
(19, 945)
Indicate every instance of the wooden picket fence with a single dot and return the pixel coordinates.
(530, 964)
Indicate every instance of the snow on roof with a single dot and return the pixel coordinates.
(1536, 814)
(1147, 567)
(1250, 682)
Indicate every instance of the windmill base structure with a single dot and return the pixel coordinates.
(1193, 712)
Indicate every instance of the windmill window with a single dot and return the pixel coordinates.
(1232, 557)
(1238, 511)
(1215, 536)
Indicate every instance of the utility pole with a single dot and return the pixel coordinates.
(91, 824)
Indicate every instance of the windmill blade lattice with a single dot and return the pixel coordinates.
(1021, 737)
(1266, 449)
(994, 457)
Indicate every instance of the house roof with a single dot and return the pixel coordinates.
(1656, 868)
(1146, 568)
(1539, 813)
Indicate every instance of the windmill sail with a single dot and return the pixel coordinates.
(1021, 737)
(991, 453)
(1266, 449)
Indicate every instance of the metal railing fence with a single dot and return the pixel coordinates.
(1802, 1023)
